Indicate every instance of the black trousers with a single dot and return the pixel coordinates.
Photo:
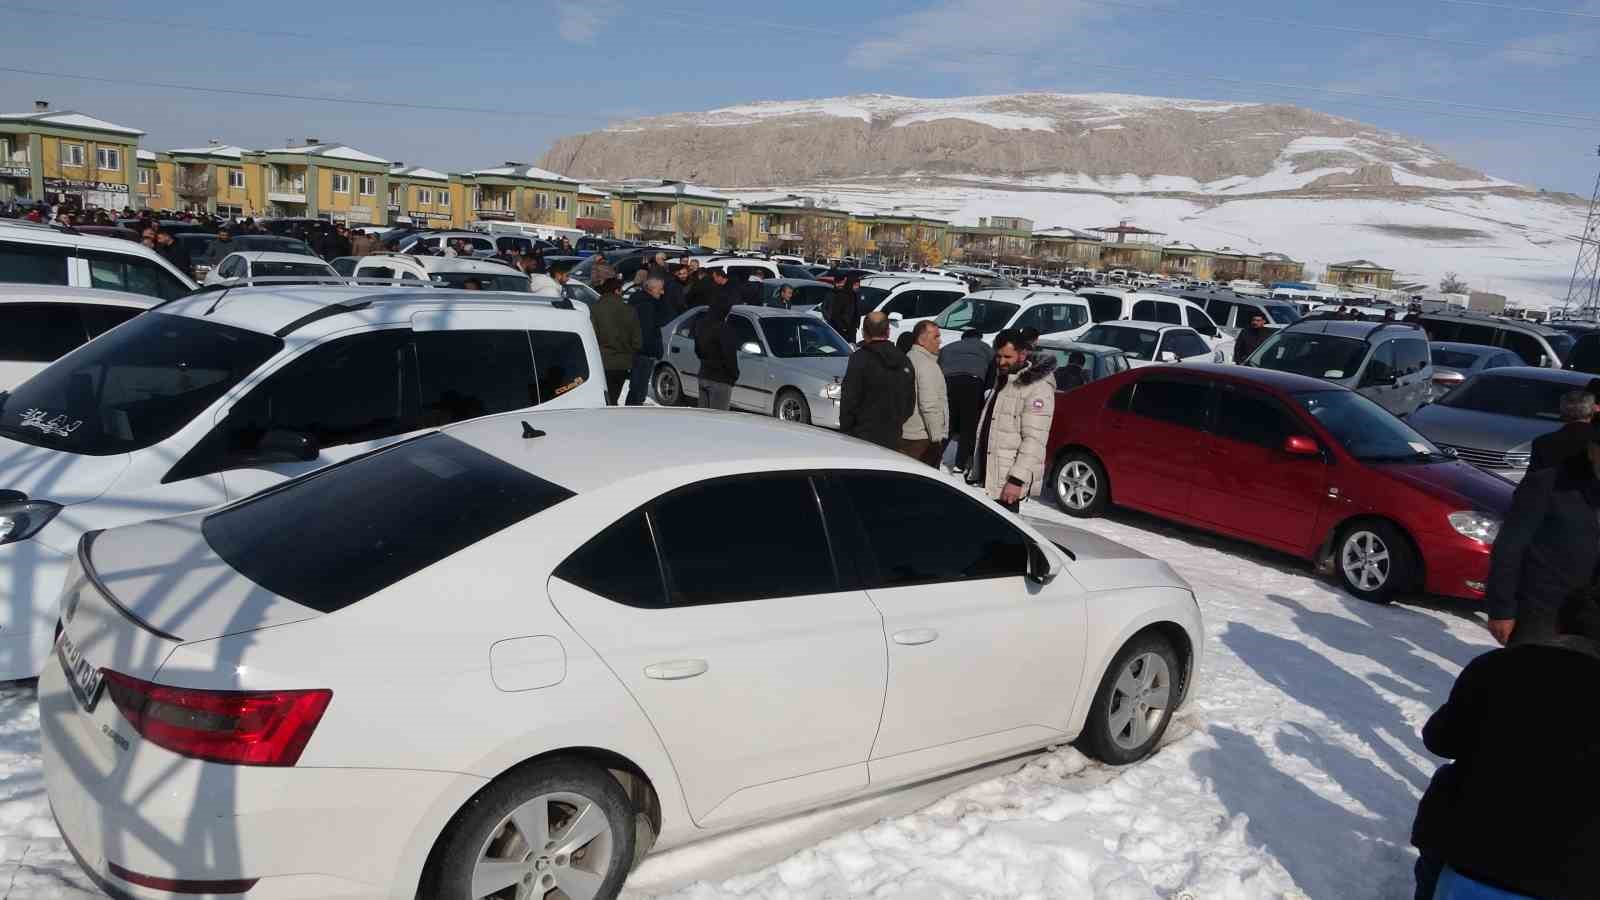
(614, 383)
(966, 407)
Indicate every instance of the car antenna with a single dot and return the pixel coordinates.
(213, 307)
(529, 432)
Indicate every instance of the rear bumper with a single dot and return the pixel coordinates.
(303, 832)
(31, 577)
(1456, 566)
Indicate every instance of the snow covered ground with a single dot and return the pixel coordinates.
(1295, 773)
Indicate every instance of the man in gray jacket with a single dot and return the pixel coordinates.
(968, 366)
(923, 436)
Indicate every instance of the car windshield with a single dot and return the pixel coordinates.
(490, 281)
(579, 292)
(133, 386)
(1524, 398)
(288, 270)
(985, 315)
(1454, 359)
(272, 244)
(1311, 353)
(796, 336)
(1283, 315)
(1136, 342)
(1366, 430)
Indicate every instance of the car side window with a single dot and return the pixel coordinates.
(1381, 367)
(685, 328)
(1199, 321)
(1411, 356)
(375, 272)
(620, 564)
(1219, 310)
(1157, 311)
(39, 332)
(1185, 344)
(1468, 333)
(1251, 417)
(904, 303)
(559, 363)
(742, 564)
(467, 374)
(744, 331)
(97, 319)
(931, 303)
(1524, 345)
(1585, 355)
(919, 531)
(1179, 402)
(33, 263)
(1104, 307)
(126, 273)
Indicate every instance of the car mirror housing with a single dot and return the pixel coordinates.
(1168, 356)
(1300, 445)
(750, 347)
(282, 445)
(1040, 570)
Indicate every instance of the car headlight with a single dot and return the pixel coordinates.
(831, 391)
(20, 521)
(1475, 525)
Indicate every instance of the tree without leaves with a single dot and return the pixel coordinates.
(1451, 283)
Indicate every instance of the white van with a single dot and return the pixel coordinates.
(216, 396)
(528, 229)
(31, 253)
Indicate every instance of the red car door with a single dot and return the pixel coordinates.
(1153, 442)
(1252, 486)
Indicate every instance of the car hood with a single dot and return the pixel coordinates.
(1457, 483)
(1481, 430)
(1084, 545)
(45, 473)
(823, 368)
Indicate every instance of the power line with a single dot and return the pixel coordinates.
(1524, 9)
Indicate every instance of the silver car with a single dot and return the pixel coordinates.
(1387, 362)
(1492, 419)
(790, 364)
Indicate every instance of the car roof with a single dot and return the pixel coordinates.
(765, 312)
(893, 282)
(1137, 325)
(1459, 315)
(46, 293)
(586, 449)
(1351, 328)
(269, 309)
(1536, 373)
(1288, 382)
(1026, 296)
(274, 256)
(1479, 349)
(432, 264)
(33, 233)
(1080, 347)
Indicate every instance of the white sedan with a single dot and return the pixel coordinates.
(1149, 343)
(610, 631)
(244, 266)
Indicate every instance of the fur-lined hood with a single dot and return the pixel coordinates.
(1041, 365)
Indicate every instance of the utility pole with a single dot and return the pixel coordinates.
(1583, 295)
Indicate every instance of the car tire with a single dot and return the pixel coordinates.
(1080, 485)
(791, 406)
(669, 386)
(484, 843)
(1374, 561)
(1134, 704)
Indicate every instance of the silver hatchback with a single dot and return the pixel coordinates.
(1386, 362)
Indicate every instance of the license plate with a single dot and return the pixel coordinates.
(85, 680)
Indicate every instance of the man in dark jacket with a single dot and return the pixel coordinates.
(879, 391)
(173, 251)
(841, 311)
(677, 276)
(699, 288)
(220, 247)
(1548, 547)
(651, 306)
(616, 330)
(1515, 810)
(1555, 448)
(966, 364)
(717, 346)
(1251, 338)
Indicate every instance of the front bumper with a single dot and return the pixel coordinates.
(303, 832)
(1456, 566)
(825, 413)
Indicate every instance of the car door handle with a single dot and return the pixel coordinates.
(914, 636)
(675, 670)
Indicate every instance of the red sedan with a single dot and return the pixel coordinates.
(1285, 461)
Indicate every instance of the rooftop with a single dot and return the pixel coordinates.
(225, 151)
(67, 118)
(518, 170)
(331, 151)
(417, 172)
(1360, 264)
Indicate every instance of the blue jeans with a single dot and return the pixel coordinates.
(639, 379)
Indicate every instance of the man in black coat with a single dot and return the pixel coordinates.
(1516, 809)
(1548, 547)
(650, 305)
(879, 391)
(716, 344)
(841, 310)
(1555, 448)
(1250, 338)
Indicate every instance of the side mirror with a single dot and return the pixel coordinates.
(282, 445)
(1168, 356)
(896, 317)
(1039, 569)
(1300, 445)
(750, 347)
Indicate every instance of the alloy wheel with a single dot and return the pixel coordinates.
(1365, 560)
(556, 846)
(1077, 485)
(792, 409)
(1138, 701)
(669, 390)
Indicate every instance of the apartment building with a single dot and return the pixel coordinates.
(67, 158)
(421, 196)
(669, 212)
(516, 192)
(320, 180)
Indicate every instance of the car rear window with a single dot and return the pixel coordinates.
(327, 561)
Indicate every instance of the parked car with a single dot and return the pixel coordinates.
(614, 661)
(1388, 362)
(1109, 304)
(1053, 312)
(1538, 345)
(1454, 363)
(41, 323)
(1585, 353)
(242, 268)
(45, 254)
(907, 299)
(1232, 312)
(1150, 343)
(1099, 361)
(111, 231)
(200, 243)
(808, 293)
(790, 364)
(437, 241)
(1285, 461)
(210, 398)
(441, 271)
(345, 265)
(1492, 419)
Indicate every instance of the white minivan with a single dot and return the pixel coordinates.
(216, 396)
(40, 323)
(31, 253)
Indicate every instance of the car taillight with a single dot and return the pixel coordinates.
(248, 728)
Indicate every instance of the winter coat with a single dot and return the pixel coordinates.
(968, 356)
(878, 395)
(930, 421)
(1558, 446)
(1021, 427)
(541, 285)
(716, 344)
(653, 316)
(674, 297)
(1549, 544)
(616, 329)
(1516, 809)
(700, 291)
(218, 251)
(1247, 342)
(363, 244)
(176, 254)
(840, 312)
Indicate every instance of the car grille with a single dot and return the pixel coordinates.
(1490, 459)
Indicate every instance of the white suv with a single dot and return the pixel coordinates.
(1109, 304)
(908, 298)
(1060, 314)
(507, 658)
(446, 271)
(213, 397)
(47, 254)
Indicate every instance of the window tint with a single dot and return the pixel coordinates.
(99, 319)
(919, 531)
(39, 332)
(1104, 307)
(130, 273)
(1220, 309)
(32, 264)
(931, 303)
(1508, 395)
(1381, 366)
(1441, 329)
(708, 562)
(1184, 343)
(559, 363)
(1252, 418)
(744, 330)
(904, 303)
(1469, 333)
(1199, 322)
(740, 274)
(356, 528)
(1410, 356)
(1157, 311)
(619, 564)
(686, 327)
(1526, 346)
(1169, 400)
(467, 374)
(1586, 355)
(1052, 317)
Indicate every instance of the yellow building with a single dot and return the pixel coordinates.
(1183, 258)
(674, 212)
(67, 158)
(1360, 273)
(1066, 248)
(897, 239)
(999, 239)
(595, 215)
(517, 192)
(793, 225)
(320, 181)
(211, 179)
(420, 196)
(153, 182)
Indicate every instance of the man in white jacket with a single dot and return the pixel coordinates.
(539, 284)
(923, 436)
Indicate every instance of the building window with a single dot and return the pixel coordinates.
(763, 223)
(341, 184)
(369, 186)
(158, 176)
(144, 177)
(72, 155)
(424, 197)
(107, 158)
(394, 196)
(541, 200)
(561, 202)
(716, 217)
(236, 178)
(444, 199)
(637, 218)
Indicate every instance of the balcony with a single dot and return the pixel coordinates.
(494, 212)
(652, 224)
(277, 196)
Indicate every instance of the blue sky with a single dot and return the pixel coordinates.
(1494, 76)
